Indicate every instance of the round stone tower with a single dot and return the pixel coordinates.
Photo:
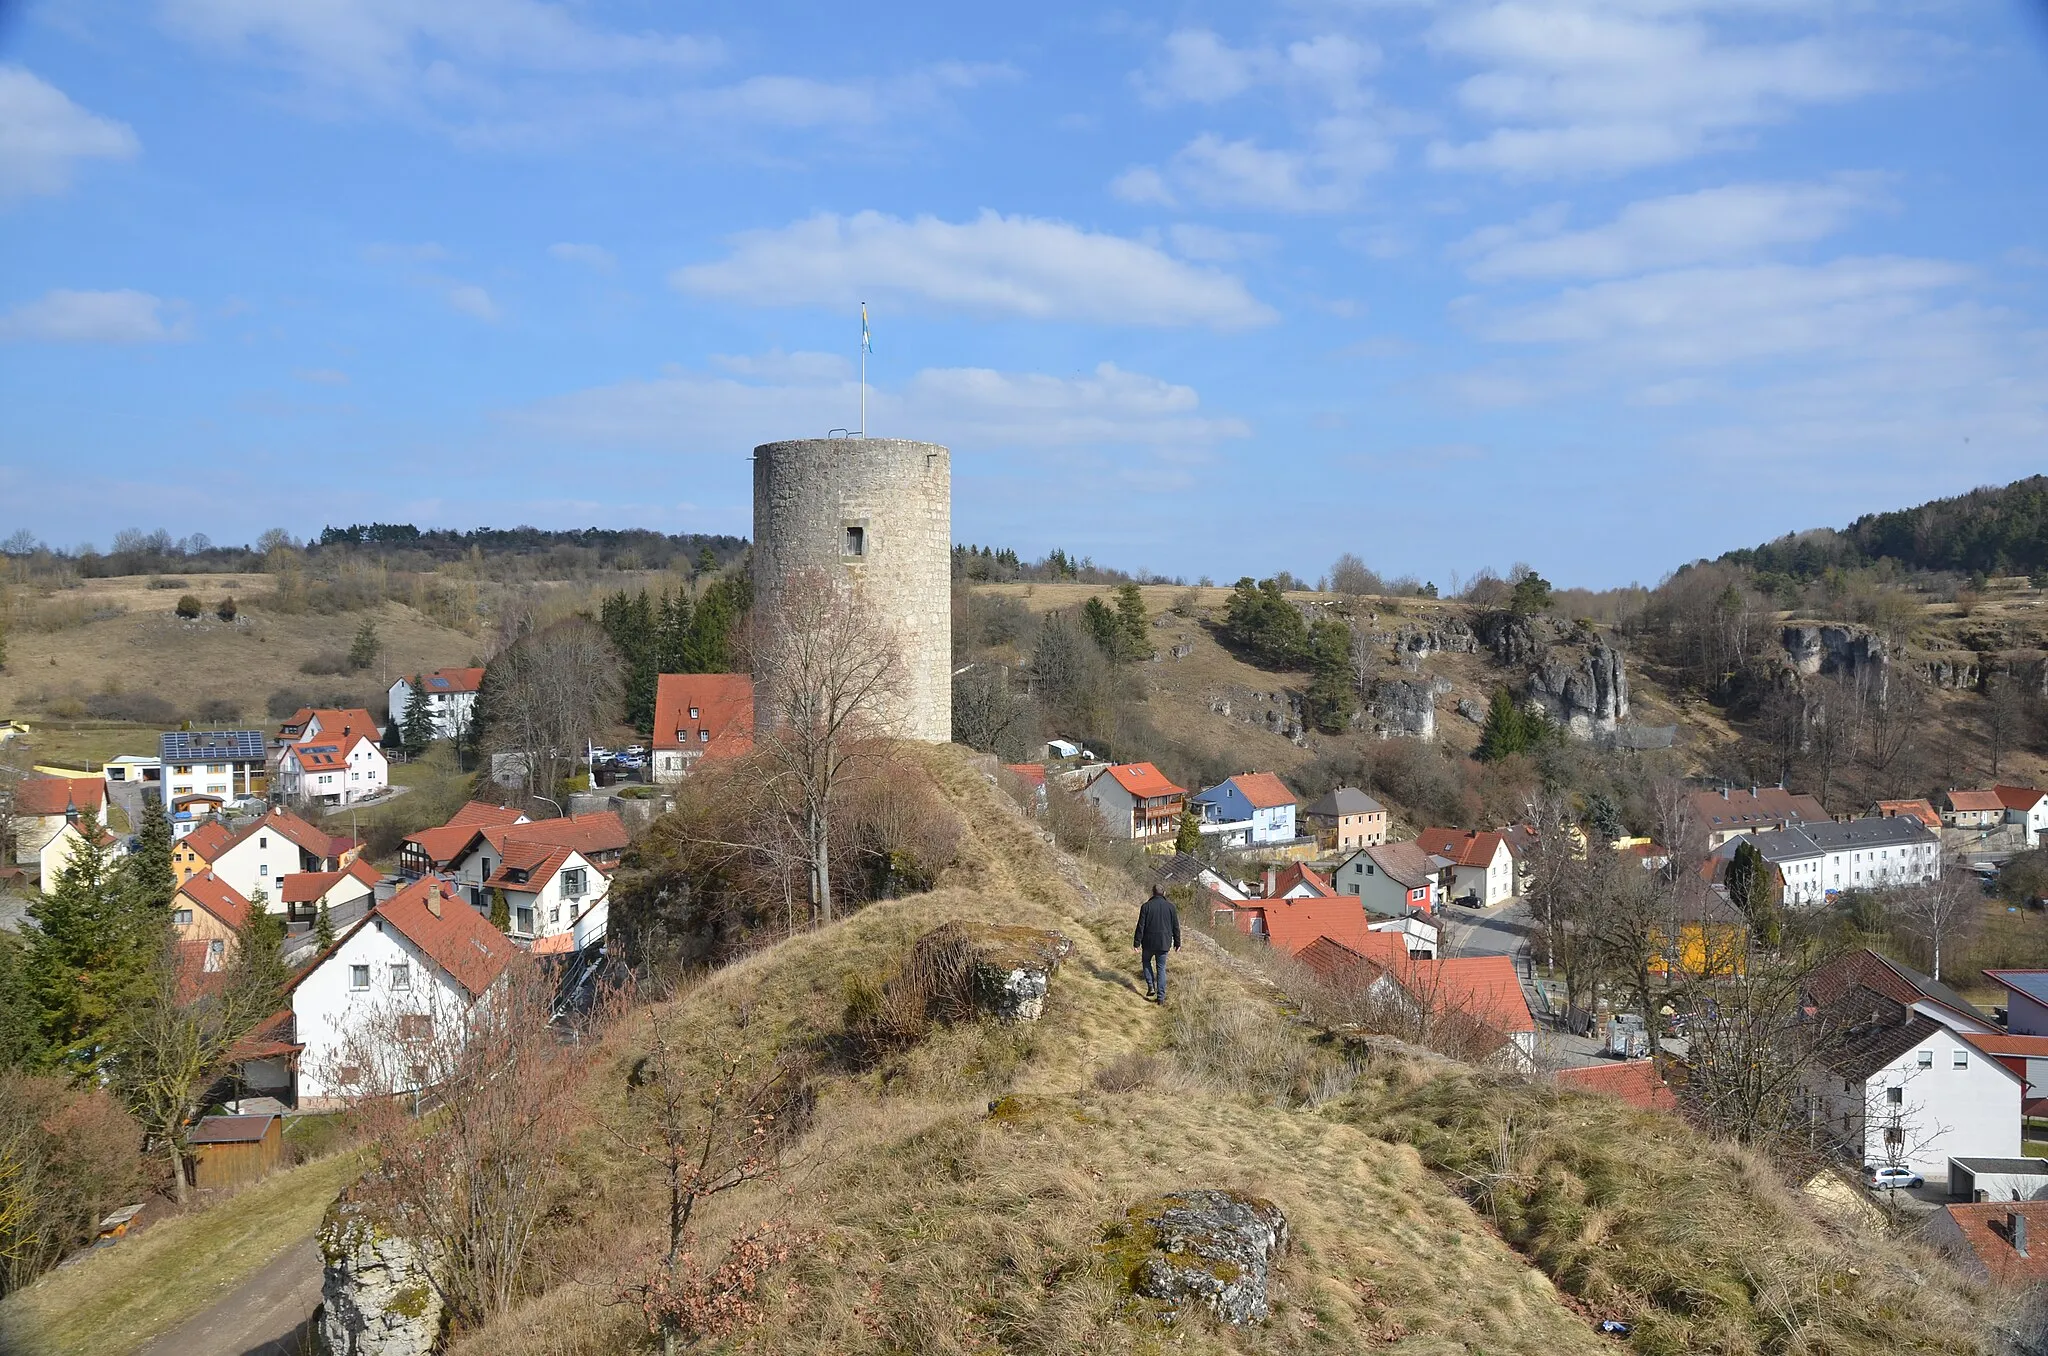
(878, 512)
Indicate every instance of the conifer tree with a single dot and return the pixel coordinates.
(146, 872)
(1189, 837)
(323, 928)
(1332, 692)
(1134, 625)
(261, 971)
(416, 729)
(1508, 730)
(90, 956)
(501, 912)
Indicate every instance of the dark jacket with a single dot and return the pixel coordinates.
(1158, 926)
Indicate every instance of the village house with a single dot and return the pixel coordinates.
(451, 700)
(1797, 859)
(196, 850)
(1391, 880)
(1897, 1088)
(206, 770)
(433, 851)
(257, 859)
(133, 768)
(1972, 809)
(1931, 998)
(699, 717)
(2004, 1243)
(1481, 867)
(337, 770)
(312, 722)
(1712, 937)
(2027, 1058)
(207, 909)
(344, 892)
(1922, 810)
(1296, 881)
(1724, 814)
(2026, 809)
(1634, 1081)
(555, 873)
(1478, 997)
(2026, 1000)
(1817, 861)
(57, 853)
(42, 805)
(1136, 801)
(1031, 779)
(415, 963)
(1192, 872)
(1346, 819)
(1252, 809)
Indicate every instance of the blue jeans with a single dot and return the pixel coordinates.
(1154, 966)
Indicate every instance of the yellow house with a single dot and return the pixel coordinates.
(1713, 938)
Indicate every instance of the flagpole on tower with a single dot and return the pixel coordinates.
(864, 348)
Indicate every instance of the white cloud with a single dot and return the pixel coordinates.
(1718, 316)
(1212, 245)
(1324, 175)
(1605, 86)
(799, 368)
(994, 264)
(471, 300)
(122, 317)
(1197, 66)
(43, 135)
(1737, 221)
(594, 256)
(390, 50)
(322, 376)
(969, 408)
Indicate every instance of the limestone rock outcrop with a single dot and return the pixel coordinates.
(1213, 1248)
(1403, 708)
(1584, 690)
(1008, 969)
(1850, 653)
(376, 1296)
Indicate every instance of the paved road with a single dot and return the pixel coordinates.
(269, 1314)
(1501, 930)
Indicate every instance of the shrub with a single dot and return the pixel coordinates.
(188, 607)
(142, 707)
(162, 581)
(74, 1156)
(1129, 1071)
(225, 610)
(218, 711)
(326, 662)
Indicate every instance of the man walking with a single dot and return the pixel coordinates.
(1158, 928)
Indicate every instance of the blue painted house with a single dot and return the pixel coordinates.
(1252, 809)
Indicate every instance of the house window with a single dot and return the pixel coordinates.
(1926, 1059)
(703, 736)
(401, 975)
(182, 917)
(856, 540)
(1895, 1096)
(573, 881)
(359, 976)
(554, 913)
(263, 840)
(693, 713)
(1962, 1059)
(217, 946)
(415, 1027)
(263, 870)
(1894, 1137)
(525, 923)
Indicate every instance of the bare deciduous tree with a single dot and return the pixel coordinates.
(1750, 1054)
(1895, 721)
(710, 1127)
(2004, 714)
(470, 1180)
(1940, 912)
(1831, 731)
(545, 695)
(829, 674)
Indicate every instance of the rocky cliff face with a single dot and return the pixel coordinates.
(1403, 708)
(1584, 690)
(376, 1297)
(1849, 653)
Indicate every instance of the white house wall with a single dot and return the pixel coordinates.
(1944, 1111)
(326, 1010)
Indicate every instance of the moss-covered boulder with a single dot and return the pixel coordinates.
(1215, 1248)
(376, 1296)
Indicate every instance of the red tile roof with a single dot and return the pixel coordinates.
(276, 1036)
(443, 845)
(52, 795)
(218, 898)
(453, 680)
(1033, 774)
(724, 703)
(1983, 1225)
(1264, 790)
(1143, 780)
(536, 862)
(334, 722)
(1335, 963)
(599, 832)
(310, 887)
(2013, 1047)
(1974, 801)
(483, 812)
(437, 920)
(1296, 874)
(1466, 847)
(324, 753)
(1920, 809)
(209, 840)
(1485, 988)
(1720, 811)
(1293, 925)
(294, 829)
(1635, 1081)
(2017, 797)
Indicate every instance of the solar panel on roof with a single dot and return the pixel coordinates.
(202, 745)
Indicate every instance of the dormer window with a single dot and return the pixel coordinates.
(693, 713)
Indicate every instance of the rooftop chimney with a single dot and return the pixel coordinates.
(1272, 879)
(434, 901)
(2016, 1230)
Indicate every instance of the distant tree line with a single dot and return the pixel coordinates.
(669, 632)
(1996, 530)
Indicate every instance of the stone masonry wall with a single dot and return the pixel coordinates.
(807, 492)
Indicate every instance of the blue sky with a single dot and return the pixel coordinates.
(1601, 285)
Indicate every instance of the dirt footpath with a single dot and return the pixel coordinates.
(270, 1314)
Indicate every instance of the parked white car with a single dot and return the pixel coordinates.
(1891, 1179)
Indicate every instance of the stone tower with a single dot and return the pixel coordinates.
(877, 511)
